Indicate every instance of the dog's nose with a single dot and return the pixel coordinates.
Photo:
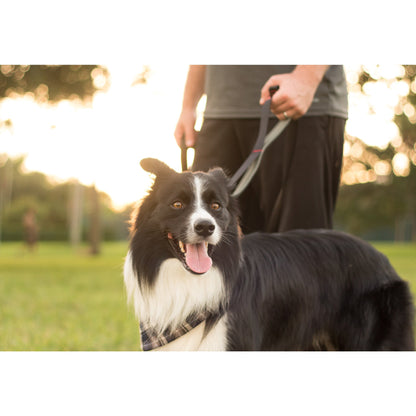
(204, 228)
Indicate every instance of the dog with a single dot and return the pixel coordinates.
(197, 284)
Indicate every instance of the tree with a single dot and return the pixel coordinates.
(48, 83)
(52, 82)
(52, 203)
(387, 173)
(95, 232)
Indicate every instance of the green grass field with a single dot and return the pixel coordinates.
(59, 299)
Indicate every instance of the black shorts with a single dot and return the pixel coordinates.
(297, 183)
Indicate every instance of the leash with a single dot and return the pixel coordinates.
(250, 166)
(184, 155)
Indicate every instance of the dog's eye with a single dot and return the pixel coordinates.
(215, 206)
(177, 205)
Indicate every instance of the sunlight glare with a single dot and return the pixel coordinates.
(373, 129)
(401, 164)
(401, 88)
(104, 141)
(382, 168)
(409, 110)
(347, 148)
(99, 79)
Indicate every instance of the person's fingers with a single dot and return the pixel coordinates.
(178, 134)
(291, 100)
(280, 104)
(190, 138)
(265, 92)
(189, 134)
(285, 115)
(185, 128)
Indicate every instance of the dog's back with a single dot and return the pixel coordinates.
(307, 290)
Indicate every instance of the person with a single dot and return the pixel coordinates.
(297, 182)
(30, 228)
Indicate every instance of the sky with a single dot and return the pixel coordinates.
(103, 143)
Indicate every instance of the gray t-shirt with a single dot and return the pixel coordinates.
(233, 91)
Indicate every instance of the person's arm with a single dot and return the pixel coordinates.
(194, 88)
(296, 90)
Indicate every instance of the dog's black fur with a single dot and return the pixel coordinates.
(298, 290)
(327, 290)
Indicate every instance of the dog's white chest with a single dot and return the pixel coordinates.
(194, 341)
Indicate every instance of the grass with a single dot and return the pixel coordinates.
(60, 299)
(403, 257)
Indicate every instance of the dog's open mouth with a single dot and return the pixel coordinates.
(195, 257)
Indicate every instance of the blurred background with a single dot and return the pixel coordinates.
(71, 138)
(73, 134)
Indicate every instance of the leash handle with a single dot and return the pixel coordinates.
(184, 154)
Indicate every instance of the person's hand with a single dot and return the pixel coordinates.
(185, 127)
(296, 91)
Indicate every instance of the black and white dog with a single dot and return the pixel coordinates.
(197, 284)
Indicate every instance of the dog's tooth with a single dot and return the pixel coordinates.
(206, 245)
(181, 246)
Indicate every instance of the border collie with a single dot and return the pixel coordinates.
(196, 284)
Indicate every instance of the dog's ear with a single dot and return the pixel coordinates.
(222, 176)
(219, 174)
(156, 167)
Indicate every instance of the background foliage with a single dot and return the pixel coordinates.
(52, 82)
(377, 199)
(20, 190)
(52, 204)
(378, 196)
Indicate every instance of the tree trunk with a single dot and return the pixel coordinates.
(95, 234)
(75, 221)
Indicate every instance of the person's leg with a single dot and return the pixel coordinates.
(217, 146)
(305, 164)
(337, 132)
(250, 200)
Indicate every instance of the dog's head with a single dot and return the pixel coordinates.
(189, 214)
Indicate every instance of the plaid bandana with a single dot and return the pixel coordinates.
(151, 340)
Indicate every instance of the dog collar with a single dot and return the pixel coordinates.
(151, 339)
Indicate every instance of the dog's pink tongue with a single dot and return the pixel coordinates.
(197, 258)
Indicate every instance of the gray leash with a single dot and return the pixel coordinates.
(255, 163)
(250, 166)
